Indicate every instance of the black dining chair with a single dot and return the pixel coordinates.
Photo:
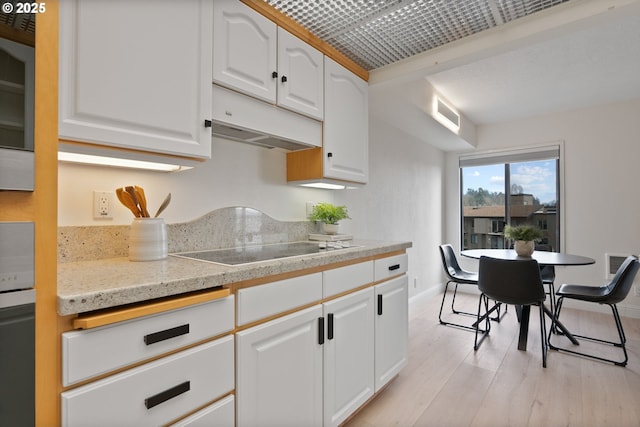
(456, 274)
(516, 282)
(610, 294)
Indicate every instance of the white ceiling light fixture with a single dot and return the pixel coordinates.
(446, 115)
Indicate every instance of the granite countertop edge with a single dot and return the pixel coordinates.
(94, 285)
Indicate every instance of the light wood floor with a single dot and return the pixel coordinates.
(446, 383)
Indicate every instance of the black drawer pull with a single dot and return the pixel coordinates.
(207, 123)
(166, 334)
(394, 267)
(379, 304)
(330, 326)
(162, 397)
(320, 330)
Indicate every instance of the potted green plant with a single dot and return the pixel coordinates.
(524, 237)
(329, 215)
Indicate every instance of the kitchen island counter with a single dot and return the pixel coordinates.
(93, 285)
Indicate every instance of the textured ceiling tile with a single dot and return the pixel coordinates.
(377, 33)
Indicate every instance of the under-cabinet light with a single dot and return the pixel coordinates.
(118, 162)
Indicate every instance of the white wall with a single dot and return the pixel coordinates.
(602, 173)
(237, 175)
(403, 200)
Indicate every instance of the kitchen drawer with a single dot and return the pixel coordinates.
(155, 393)
(219, 414)
(262, 301)
(390, 266)
(100, 350)
(344, 279)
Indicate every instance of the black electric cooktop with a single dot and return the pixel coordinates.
(249, 254)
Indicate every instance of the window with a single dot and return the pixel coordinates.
(516, 187)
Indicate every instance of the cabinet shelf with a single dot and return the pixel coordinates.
(11, 87)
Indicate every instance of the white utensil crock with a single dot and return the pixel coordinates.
(148, 239)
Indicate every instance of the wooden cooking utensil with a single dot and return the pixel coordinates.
(142, 201)
(127, 201)
(163, 205)
(132, 192)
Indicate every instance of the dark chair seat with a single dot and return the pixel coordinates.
(610, 294)
(584, 293)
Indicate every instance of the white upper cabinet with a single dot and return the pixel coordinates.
(253, 56)
(346, 124)
(137, 74)
(300, 76)
(244, 45)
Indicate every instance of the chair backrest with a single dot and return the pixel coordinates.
(511, 281)
(547, 271)
(449, 261)
(620, 285)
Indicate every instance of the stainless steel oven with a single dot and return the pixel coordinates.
(17, 81)
(17, 324)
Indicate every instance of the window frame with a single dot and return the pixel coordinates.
(515, 155)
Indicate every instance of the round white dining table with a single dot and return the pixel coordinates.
(543, 258)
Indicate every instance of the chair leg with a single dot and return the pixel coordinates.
(543, 335)
(621, 335)
(552, 302)
(485, 332)
(457, 325)
(444, 296)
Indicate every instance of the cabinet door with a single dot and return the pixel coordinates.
(279, 375)
(392, 323)
(348, 355)
(346, 124)
(133, 75)
(300, 76)
(244, 46)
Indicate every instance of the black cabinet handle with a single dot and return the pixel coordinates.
(394, 267)
(166, 334)
(274, 75)
(379, 304)
(330, 326)
(284, 79)
(320, 330)
(162, 397)
(329, 154)
(207, 123)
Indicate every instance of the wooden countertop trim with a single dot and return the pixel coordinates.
(120, 314)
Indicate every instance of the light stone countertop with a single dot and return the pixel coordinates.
(93, 285)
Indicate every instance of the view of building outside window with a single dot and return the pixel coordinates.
(532, 189)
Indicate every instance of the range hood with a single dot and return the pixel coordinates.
(242, 118)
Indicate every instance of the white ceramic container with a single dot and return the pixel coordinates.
(148, 239)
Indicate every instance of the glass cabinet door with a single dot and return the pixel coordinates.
(16, 95)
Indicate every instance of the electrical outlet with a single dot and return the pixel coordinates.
(310, 206)
(102, 204)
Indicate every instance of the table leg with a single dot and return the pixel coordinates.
(524, 327)
(559, 324)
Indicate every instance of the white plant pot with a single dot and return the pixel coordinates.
(148, 239)
(524, 247)
(331, 228)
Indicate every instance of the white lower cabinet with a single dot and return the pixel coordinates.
(279, 371)
(391, 330)
(348, 355)
(154, 393)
